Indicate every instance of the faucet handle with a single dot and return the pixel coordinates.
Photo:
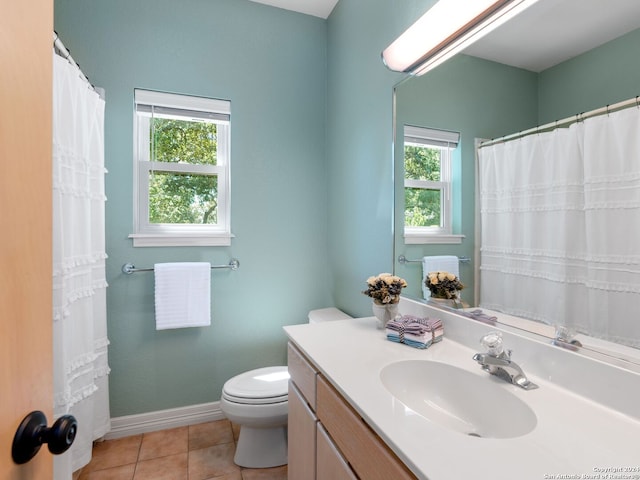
(492, 341)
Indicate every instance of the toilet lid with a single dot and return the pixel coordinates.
(263, 385)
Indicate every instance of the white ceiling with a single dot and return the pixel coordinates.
(547, 33)
(552, 31)
(317, 8)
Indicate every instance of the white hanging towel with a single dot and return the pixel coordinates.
(182, 294)
(438, 263)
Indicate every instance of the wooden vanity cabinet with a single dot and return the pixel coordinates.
(367, 454)
(328, 440)
(302, 418)
(312, 453)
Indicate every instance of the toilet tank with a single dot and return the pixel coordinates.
(327, 315)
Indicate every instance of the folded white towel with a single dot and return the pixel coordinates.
(182, 294)
(438, 263)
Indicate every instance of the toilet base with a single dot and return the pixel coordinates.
(261, 447)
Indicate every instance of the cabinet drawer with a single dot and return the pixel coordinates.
(330, 463)
(361, 446)
(303, 374)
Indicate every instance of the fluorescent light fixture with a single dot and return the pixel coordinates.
(446, 29)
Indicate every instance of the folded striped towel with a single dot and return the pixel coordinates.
(411, 340)
(415, 331)
(478, 314)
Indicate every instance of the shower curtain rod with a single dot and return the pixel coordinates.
(61, 50)
(565, 122)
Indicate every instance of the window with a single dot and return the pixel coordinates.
(427, 185)
(181, 173)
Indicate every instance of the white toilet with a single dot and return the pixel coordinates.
(258, 401)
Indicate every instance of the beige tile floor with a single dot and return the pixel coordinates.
(196, 452)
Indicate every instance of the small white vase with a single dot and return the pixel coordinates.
(384, 313)
(445, 302)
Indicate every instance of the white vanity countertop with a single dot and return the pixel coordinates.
(574, 436)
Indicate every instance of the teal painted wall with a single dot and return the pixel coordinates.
(271, 64)
(359, 142)
(600, 77)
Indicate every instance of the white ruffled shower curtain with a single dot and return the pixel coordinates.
(80, 370)
(560, 216)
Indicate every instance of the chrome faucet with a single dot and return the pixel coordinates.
(498, 362)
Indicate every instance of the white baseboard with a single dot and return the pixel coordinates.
(163, 419)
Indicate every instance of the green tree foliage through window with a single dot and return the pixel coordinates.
(180, 198)
(422, 206)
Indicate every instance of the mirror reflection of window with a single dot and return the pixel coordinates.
(427, 180)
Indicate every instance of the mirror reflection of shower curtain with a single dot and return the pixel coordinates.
(79, 286)
(560, 215)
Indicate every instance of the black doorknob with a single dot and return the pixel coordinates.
(33, 432)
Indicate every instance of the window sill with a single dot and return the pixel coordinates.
(178, 240)
(420, 239)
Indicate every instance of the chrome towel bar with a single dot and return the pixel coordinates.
(129, 268)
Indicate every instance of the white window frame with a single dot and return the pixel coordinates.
(446, 141)
(146, 234)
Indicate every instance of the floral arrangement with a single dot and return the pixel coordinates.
(443, 285)
(385, 288)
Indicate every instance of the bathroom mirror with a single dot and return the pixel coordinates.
(494, 88)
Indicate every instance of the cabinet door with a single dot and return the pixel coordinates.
(330, 463)
(368, 455)
(302, 437)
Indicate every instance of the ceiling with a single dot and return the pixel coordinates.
(317, 8)
(547, 33)
(552, 31)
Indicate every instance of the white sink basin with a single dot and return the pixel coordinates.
(459, 400)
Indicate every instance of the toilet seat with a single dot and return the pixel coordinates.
(262, 386)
